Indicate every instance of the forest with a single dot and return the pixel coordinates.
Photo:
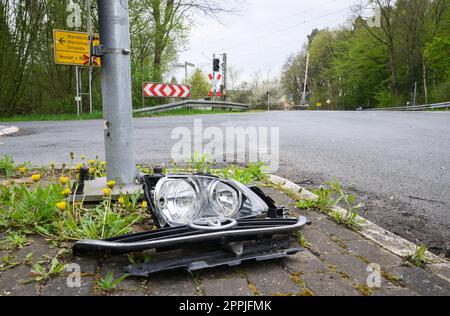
(352, 66)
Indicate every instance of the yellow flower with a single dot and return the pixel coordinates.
(36, 177)
(61, 206)
(91, 171)
(121, 201)
(111, 184)
(22, 170)
(79, 166)
(66, 192)
(92, 162)
(103, 163)
(144, 205)
(107, 192)
(64, 180)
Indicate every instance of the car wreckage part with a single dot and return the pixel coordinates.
(211, 258)
(180, 236)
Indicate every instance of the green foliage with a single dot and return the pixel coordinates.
(7, 262)
(350, 219)
(108, 283)
(200, 163)
(14, 240)
(101, 222)
(45, 272)
(254, 172)
(30, 209)
(418, 258)
(7, 166)
(200, 85)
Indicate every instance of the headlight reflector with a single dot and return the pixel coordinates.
(177, 200)
(225, 199)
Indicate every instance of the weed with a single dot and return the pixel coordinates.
(97, 223)
(418, 258)
(350, 219)
(200, 163)
(7, 166)
(14, 240)
(324, 202)
(108, 283)
(42, 272)
(8, 262)
(364, 290)
(301, 239)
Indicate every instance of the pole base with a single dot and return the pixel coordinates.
(93, 190)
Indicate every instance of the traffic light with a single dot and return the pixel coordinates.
(216, 65)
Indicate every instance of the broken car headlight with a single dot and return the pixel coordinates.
(179, 200)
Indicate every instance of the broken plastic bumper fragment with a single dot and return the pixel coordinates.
(244, 230)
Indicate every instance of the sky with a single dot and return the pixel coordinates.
(262, 35)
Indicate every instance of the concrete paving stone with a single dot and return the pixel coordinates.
(217, 273)
(305, 263)
(58, 287)
(174, 283)
(321, 244)
(335, 231)
(271, 278)
(226, 287)
(373, 253)
(421, 281)
(441, 269)
(87, 265)
(12, 282)
(328, 284)
(392, 290)
(39, 248)
(354, 268)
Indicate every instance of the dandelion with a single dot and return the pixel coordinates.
(144, 205)
(91, 171)
(36, 177)
(121, 201)
(111, 184)
(64, 180)
(66, 192)
(72, 155)
(52, 165)
(61, 206)
(107, 192)
(92, 162)
(78, 167)
(103, 163)
(22, 170)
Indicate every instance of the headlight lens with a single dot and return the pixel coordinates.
(177, 200)
(225, 199)
(181, 199)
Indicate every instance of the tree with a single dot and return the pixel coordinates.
(200, 86)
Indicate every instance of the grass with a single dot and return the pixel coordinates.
(108, 283)
(418, 258)
(99, 115)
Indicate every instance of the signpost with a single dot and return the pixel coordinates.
(73, 48)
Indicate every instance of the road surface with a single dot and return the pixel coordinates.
(397, 163)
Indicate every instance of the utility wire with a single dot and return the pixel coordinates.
(282, 30)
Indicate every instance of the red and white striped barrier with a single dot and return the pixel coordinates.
(162, 90)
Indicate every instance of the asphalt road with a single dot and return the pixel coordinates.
(397, 163)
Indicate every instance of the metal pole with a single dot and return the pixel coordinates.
(77, 99)
(91, 38)
(306, 80)
(415, 92)
(225, 75)
(116, 90)
(80, 88)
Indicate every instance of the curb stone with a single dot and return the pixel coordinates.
(387, 240)
(7, 130)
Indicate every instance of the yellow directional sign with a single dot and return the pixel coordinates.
(72, 48)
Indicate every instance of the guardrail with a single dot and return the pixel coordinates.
(193, 104)
(415, 108)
